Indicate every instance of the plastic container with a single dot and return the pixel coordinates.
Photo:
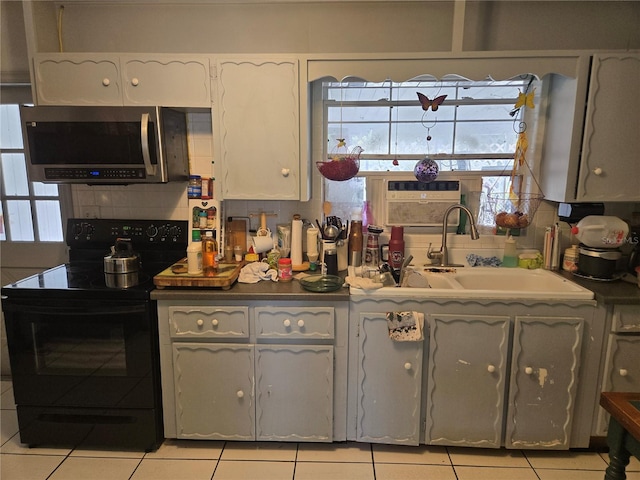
(285, 271)
(601, 231)
(570, 259)
(209, 255)
(194, 254)
(510, 257)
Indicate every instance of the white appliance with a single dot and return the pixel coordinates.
(415, 204)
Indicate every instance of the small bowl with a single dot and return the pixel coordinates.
(322, 283)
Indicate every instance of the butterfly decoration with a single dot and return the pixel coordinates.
(426, 102)
(524, 100)
(341, 142)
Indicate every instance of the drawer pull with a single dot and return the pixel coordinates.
(106, 82)
(200, 322)
(240, 394)
(407, 366)
(287, 323)
(301, 323)
(598, 171)
(624, 372)
(491, 368)
(528, 370)
(214, 322)
(135, 81)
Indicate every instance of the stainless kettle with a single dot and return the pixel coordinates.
(122, 267)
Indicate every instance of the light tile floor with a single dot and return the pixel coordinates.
(210, 460)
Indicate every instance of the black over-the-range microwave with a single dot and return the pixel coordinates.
(105, 145)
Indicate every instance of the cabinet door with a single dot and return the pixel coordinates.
(294, 393)
(466, 380)
(621, 371)
(544, 376)
(214, 391)
(258, 129)
(166, 81)
(609, 169)
(389, 384)
(69, 79)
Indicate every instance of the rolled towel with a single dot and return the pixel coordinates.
(256, 271)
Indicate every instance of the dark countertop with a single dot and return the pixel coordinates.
(263, 290)
(618, 291)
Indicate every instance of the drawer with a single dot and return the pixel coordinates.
(209, 322)
(288, 322)
(626, 318)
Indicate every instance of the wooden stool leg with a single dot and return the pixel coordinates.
(618, 454)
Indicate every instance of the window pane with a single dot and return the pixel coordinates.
(49, 220)
(372, 137)
(14, 174)
(485, 137)
(10, 132)
(20, 226)
(45, 189)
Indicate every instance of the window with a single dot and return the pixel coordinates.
(472, 133)
(474, 129)
(30, 211)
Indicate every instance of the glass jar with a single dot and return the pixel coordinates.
(194, 189)
(285, 271)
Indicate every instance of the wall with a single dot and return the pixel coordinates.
(257, 26)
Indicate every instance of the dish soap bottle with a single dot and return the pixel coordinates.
(510, 257)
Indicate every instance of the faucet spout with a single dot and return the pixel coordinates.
(443, 253)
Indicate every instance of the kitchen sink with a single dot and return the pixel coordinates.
(487, 282)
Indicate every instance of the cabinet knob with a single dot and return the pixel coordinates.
(240, 394)
(106, 82)
(287, 323)
(214, 322)
(301, 323)
(285, 172)
(491, 368)
(598, 171)
(200, 322)
(624, 372)
(528, 370)
(135, 81)
(407, 366)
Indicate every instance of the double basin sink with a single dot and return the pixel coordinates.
(486, 282)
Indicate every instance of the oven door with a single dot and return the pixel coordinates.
(83, 353)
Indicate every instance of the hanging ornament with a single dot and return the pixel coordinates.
(426, 170)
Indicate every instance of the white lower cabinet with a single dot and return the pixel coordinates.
(234, 372)
(389, 384)
(544, 379)
(214, 397)
(466, 379)
(621, 366)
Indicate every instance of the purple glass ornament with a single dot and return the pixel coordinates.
(426, 170)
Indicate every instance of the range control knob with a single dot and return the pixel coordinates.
(152, 231)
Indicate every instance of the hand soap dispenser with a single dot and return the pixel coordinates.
(510, 257)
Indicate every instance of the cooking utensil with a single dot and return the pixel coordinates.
(330, 232)
(121, 268)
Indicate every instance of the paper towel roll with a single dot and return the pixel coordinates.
(296, 242)
(312, 241)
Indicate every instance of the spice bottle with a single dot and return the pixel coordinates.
(209, 254)
(194, 189)
(570, 259)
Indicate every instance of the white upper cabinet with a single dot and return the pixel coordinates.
(591, 141)
(610, 168)
(257, 128)
(111, 79)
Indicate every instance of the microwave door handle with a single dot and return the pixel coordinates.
(144, 138)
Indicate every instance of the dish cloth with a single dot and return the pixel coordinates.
(477, 261)
(363, 283)
(255, 271)
(406, 326)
